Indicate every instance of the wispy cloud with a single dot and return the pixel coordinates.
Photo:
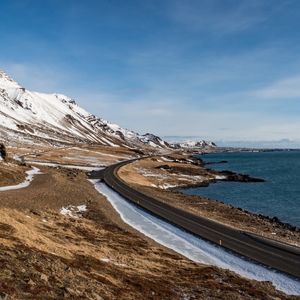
(43, 78)
(224, 16)
(282, 89)
(172, 67)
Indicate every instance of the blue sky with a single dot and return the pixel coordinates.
(219, 69)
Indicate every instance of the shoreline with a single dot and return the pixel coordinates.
(261, 250)
(170, 191)
(272, 219)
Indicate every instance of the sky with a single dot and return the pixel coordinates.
(223, 70)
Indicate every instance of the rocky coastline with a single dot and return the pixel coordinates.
(167, 177)
(236, 177)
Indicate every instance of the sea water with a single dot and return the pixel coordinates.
(278, 196)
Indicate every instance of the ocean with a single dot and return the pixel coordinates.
(279, 196)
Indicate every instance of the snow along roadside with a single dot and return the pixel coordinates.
(191, 247)
(49, 164)
(25, 183)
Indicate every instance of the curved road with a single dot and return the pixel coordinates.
(280, 256)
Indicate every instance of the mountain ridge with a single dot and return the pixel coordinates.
(57, 119)
(33, 117)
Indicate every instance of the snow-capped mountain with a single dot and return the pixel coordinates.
(28, 117)
(193, 144)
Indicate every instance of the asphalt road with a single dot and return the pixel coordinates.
(271, 253)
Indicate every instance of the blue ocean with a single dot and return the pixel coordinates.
(279, 196)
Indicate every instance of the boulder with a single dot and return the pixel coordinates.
(3, 153)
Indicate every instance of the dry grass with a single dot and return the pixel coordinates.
(82, 155)
(11, 173)
(45, 255)
(49, 256)
(156, 172)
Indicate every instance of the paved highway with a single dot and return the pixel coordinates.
(280, 256)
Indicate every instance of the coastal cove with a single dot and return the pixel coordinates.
(278, 196)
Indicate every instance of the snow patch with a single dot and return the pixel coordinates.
(25, 183)
(73, 211)
(166, 186)
(17, 158)
(48, 164)
(107, 260)
(167, 159)
(220, 177)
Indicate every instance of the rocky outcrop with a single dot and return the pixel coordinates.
(3, 152)
(154, 141)
(231, 176)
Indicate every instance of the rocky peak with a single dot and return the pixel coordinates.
(57, 118)
(7, 82)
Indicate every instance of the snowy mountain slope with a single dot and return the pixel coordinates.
(193, 144)
(29, 117)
